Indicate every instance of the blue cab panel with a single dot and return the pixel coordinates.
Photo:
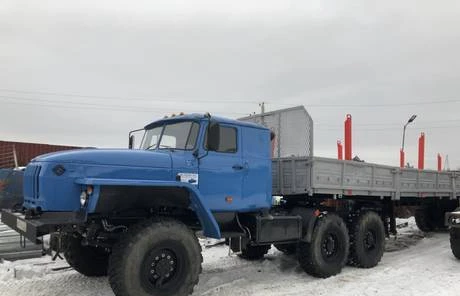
(233, 177)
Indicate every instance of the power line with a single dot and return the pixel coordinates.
(124, 108)
(172, 100)
(90, 106)
(175, 100)
(388, 105)
(395, 125)
(34, 100)
(371, 105)
(390, 129)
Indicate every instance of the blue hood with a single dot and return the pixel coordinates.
(112, 157)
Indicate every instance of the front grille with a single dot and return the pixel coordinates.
(32, 179)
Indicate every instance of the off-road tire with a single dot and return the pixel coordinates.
(146, 250)
(455, 241)
(327, 253)
(367, 240)
(423, 219)
(87, 260)
(288, 249)
(254, 252)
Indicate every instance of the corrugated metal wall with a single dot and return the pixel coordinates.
(25, 152)
(293, 128)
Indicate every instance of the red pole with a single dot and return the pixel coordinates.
(348, 138)
(402, 158)
(339, 150)
(421, 152)
(439, 162)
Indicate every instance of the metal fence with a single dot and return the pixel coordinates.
(8, 157)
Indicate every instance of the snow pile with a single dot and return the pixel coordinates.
(414, 264)
(6, 271)
(30, 268)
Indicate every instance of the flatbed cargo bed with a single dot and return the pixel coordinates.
(317, 175)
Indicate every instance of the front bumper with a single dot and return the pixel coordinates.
(453, 219)
(46, 223)
(10, 202)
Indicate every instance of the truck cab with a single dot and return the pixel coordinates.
(210, 166)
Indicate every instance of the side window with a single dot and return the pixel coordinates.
(228, 142)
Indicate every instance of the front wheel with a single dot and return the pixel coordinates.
(455, 241)
(327, 252)
(156, 258)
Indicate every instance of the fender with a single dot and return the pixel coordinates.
(207, 220)
(309, 219)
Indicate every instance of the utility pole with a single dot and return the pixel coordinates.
(402, 153)
(262, 112)
(262, 108)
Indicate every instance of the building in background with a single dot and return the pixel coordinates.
(17, 154)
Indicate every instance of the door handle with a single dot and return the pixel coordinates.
(237, 167)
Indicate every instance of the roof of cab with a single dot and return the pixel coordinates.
(198, 116)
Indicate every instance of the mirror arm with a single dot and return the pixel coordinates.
(130, 134)
(196, 153)
(131, 142)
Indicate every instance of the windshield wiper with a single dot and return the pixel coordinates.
(151, 146)
(167, 147)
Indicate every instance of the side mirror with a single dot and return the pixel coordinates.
(131, 142)
(213, 139)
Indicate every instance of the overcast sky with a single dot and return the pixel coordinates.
(87, 72)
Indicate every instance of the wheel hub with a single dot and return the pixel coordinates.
(329, 245)
(162, 267)
(369, 240)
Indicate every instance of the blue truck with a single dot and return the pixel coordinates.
(133, 214)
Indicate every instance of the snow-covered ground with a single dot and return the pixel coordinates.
(414, 264)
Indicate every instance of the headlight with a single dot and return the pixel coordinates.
(85, 194)
(83, 198)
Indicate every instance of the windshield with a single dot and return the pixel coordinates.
(180, 135)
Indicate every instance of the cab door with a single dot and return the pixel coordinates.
(221, 172)
(257, 182)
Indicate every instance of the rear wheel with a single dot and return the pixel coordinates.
(367, 241)
(327, 252)
(156, 258)
(87, 260)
